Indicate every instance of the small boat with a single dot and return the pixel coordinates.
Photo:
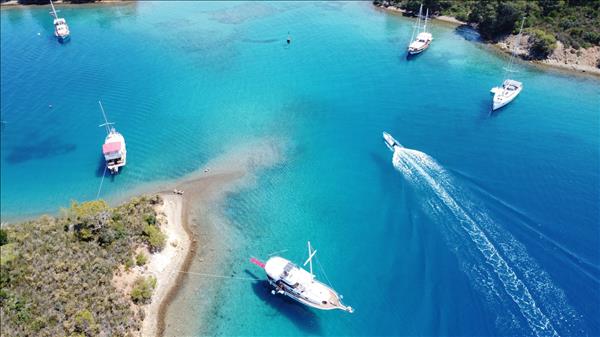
(61, 29)
(390, 142)
(510, 89)
(424, 38)
(113, 149)
(300, 285)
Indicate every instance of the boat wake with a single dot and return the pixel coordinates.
(495, 262)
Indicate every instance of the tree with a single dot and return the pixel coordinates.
(541, 44)
(549, 6)
(142, 289)
(155, 238)
(3, 237)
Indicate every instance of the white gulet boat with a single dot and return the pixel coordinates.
(290, 280)
(423, 39)
(113, 149)
(510, 89)
(61, 29)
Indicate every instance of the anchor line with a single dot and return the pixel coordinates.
(218, 276)
(101, 181)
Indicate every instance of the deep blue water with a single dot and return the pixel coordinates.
(489, 226)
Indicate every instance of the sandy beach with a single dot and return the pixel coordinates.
(165, 266)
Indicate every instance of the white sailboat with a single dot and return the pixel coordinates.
(113, 149)
(290, 280)
(424, 38)
(61, 29)
(510, 89)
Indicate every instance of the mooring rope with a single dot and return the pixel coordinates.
(101, 181)
(219, 276)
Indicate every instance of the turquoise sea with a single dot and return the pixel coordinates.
(486, 225)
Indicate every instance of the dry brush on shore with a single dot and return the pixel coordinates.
(56, 272)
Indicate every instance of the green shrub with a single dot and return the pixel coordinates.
(128, 264)
(3, 237)
(154, 238)
(142, 290)
(141, 259)
(85, 323)
(541, 44)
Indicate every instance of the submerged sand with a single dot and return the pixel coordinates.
(192, 232)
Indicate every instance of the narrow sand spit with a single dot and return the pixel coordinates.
(165, 266)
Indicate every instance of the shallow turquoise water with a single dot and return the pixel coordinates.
(413, 246)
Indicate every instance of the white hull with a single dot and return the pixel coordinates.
(301, 300)
(507, 93)
(413, 50)
(292, 281)
(391, 142)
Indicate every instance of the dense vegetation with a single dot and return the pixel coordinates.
(576, 23)
(56, 272)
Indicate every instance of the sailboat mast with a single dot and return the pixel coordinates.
(310, 257)
(311, 254)
(53, 10)
(418, 24)
(425, 25)
(517, 43)
(106, 123)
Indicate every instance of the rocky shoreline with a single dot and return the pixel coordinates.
(583, 60)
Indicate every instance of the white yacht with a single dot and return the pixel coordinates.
(510, 89)
(423, 39)
(113, 149)
(390, 142)
(61, 29)
(290, 280)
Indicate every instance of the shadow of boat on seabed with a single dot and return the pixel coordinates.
(304, 318)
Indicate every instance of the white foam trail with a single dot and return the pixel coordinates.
(426, 174)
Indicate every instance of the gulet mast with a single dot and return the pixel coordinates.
(106, 123)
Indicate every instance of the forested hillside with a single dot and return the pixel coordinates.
(56, 272)
(576, 23)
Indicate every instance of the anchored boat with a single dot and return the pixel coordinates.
(510, 89)
(113, 149)
(290, 280)
(423, 39)
(61, 29)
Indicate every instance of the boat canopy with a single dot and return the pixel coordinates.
(512, 82)
(111, 147)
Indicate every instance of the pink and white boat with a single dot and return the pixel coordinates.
(113, 149)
